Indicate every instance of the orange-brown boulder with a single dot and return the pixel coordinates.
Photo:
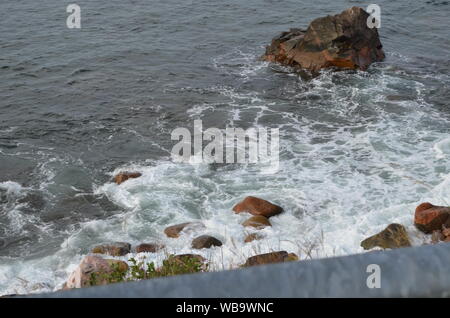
(257, 206)
(124, 176)
(343, 40)
(429, 217)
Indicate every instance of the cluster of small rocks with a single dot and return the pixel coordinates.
(261, 211)
(428, 218)
(95, 263)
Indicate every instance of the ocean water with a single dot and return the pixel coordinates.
(358, 150)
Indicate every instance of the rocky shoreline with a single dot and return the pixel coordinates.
(100, 267)
(342, 41)
(97, 268)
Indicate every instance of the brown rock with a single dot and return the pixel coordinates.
(148, 248)
(393, 236)
(174, 230)
(446, 231)
(184, 258)
(205, 241)
(115, 264)
(253, 237)
(124, 176)
(437, 236)
(429, 217)
(93, 271)
(257, 206)
(257, 221)
(292, 257)
(270, 258)
(113, 249)
(343, 40)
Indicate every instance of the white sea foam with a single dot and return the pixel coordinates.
(442, 148)
(11, 187)
(351, 163)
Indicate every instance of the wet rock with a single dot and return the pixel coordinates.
(257, 206)
(257, 221)
(253, 237)
(174, 230)
(270, 258)
(292, 257)
(437, 236)
(393, 236)
(124, 176)
(343, 40)
(113, 249)
(446, 230)
(205, 241)
(148, 248)
(429, 217)
(92, 271)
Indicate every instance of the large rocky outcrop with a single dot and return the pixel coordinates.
(343, 40)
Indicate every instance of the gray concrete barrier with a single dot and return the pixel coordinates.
(408, 272)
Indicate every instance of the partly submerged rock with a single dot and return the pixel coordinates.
(148, 248)
(205, 241)
(343, 40)
(113, 249)
(253, 237)
(429, 217)
(393, 236)
(175, 230)
(93, 270)
(124, 176)
(270, 258)
(257, 221)
(257, 206)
